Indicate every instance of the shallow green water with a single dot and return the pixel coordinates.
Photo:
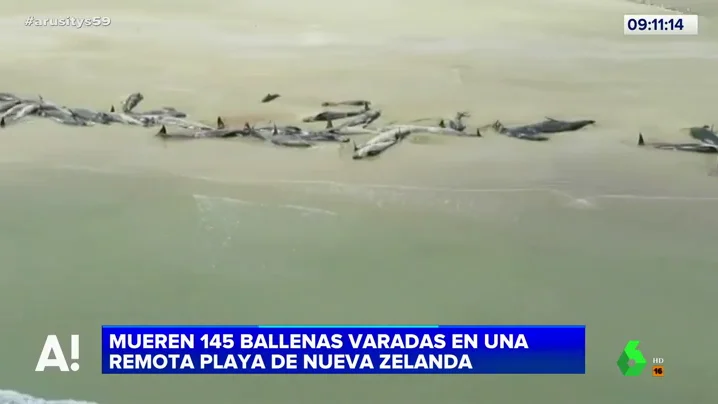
(83, 249)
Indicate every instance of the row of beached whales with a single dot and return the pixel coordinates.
(356, 117)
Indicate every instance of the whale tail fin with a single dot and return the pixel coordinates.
(462, 114)
(641, 142)
(220, 123)
(498, 126)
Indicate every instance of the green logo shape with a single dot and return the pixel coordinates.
(631, 353)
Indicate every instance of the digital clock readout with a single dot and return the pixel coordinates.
(660, 24)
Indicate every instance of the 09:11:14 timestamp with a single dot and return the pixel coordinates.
(660, 24)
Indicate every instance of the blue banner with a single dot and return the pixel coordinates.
(260, 349)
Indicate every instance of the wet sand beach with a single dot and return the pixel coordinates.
(108, 225)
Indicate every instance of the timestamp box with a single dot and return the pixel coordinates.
(637, 24)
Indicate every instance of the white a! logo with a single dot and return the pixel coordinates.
(53, 357)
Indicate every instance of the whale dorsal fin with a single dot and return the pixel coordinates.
(162, 131)
(2, 122)
(641, 142)
(355, 145)
(330, 125)
(112, 108)
(550, 119)
(220, 123)
(275, 131)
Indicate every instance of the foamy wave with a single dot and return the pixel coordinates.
(660, 5)
(13, 397)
